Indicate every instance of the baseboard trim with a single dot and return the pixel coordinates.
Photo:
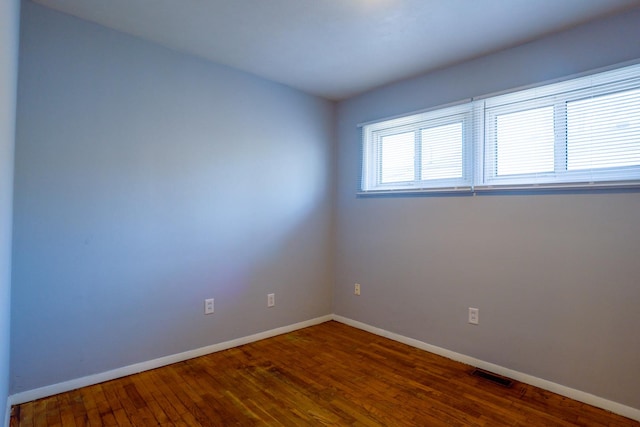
(581, 396)
(39, 393)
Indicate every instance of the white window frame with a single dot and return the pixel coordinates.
(372, 139)
(479, 138)
(557, 96)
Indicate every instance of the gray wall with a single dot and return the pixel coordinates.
(147, 181)
(9, 22)
(556, 277)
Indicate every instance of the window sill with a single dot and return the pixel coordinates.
(567, 188)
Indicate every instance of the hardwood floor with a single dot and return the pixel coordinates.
(330, 374)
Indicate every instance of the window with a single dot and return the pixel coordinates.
(576, 133)
(584, 131)
(428, 150)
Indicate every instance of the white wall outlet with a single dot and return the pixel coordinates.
(271, 300)
(356, 289)
(208, 306)
(474, 316)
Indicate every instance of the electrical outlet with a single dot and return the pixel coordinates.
(356, 289)
(271, 300)
(208, 306)
(474, 316)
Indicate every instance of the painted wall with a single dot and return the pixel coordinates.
(9, 23)
(556, 277)
(147, 181)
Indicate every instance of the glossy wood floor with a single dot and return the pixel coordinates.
(330, 374)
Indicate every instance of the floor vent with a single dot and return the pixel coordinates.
(494, 378)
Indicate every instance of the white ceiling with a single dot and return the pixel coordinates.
(339, 48)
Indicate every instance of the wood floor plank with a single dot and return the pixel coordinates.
(172, 398)
(67, 417)
(76, 406)
(135, 409)
(105, 410)
(40, 412)
(325, 375)
(52, 410)
(25, 415)
(117, 411)
(163, 412)
(89, 397)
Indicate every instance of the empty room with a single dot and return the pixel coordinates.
(320, 212)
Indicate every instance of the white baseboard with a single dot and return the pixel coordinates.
(581, 396)
(39, 393)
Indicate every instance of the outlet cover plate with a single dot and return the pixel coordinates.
(208, 306)
(474, 316)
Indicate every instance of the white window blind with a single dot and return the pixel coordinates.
(397, 158)
(582, 132)
(524, 142)
(603, 131)
(441, 148)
